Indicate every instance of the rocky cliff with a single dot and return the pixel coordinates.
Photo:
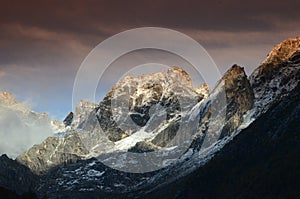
(277, 75)
(239, 97)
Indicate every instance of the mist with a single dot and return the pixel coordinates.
(21, 128)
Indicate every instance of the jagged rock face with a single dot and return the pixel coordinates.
(231, 99)
(131, 103)
(204, 90)
(79, 119)
(279, 56)
(283, 51)
(67, 146)
(54, 151)
(223, 111)
(83, 110)
(239, 97)
(277, 75)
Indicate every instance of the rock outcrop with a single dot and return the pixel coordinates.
(52, 152)
(68, 120)
(277, 75)
(64, 147)
(82, 111)
(239, 98)
(223, 111)
(7, 99)
(282, 52)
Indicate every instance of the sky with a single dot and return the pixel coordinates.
(43, 43)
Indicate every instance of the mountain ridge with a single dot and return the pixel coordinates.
(238, 112)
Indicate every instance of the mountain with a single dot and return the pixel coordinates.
(63, 147)
(157, 136)
(261, 162)
(155, 112)
(277, 75)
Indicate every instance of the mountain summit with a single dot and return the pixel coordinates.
(283, 51)
(7, 98)
(278, 75)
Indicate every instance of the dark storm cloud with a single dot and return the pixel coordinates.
(62, 28)
(51, 24)
(87, 17)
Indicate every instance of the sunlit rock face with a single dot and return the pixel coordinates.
(277, 75)
(20, 127)
(203, 89)
(7, 99)
(282, 52)
(63, 147)
(224, 107)
(52, 152)
(239, 98)
(150, 102)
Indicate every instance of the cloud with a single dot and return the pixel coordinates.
(22, 44)
(50, 88)
(21, 129)
(85, 17)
